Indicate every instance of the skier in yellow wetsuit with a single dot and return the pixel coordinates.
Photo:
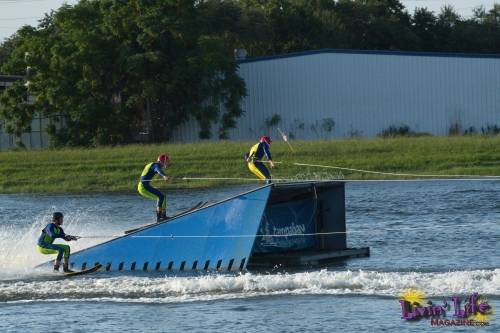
(254, 159)
(146, 190)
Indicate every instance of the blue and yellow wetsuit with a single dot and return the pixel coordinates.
(49, 234)
(255, 155)
(148, 191)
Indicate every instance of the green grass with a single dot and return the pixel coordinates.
(117, 169)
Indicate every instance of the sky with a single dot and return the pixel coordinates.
(462, 7)
(16, 13)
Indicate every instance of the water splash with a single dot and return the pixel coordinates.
(179, 288)
(19, 240)
(321, 175)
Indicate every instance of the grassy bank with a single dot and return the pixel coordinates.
(112, 169)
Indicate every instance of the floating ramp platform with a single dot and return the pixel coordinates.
(307, 221)
(279, 224)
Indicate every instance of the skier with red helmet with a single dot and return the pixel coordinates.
(148, 191)
(254, 158)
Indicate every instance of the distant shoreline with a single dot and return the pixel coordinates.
(117, 169)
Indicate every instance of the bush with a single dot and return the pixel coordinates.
(393, 131)
(455, 129)
(470, 131)
(490, 130)
(327, 124)
(272, 121)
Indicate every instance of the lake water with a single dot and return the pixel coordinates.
(440, 238)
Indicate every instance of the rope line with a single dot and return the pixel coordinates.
(388, 173)
(435, 176)
(398, 174)
(241, 178)
(285, 138)
(295, 234)
(345, 180)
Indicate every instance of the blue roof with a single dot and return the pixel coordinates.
(377, 52)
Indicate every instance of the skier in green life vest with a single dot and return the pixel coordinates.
(52, 231)
(147, 190)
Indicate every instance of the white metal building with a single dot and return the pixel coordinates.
(37, 138)
(349, 93)
(362, 93)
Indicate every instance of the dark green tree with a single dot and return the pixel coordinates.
(424, 27)
(114, 68)
(16, 110)
(110, 67)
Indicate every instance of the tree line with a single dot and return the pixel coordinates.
(114, 68)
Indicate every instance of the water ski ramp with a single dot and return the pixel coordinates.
(189, 242)
(285, 224)
(304, 224)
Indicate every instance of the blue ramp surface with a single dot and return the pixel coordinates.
(217, 237)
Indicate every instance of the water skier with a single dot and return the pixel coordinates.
(45, 245)
(148, 191)
(254, 159)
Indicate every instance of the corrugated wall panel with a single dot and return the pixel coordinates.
(365, 94)
(38, 138)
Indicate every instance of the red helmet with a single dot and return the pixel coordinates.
(266, 138)
(163, 158)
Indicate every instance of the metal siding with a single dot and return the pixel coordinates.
(38, 138)
(367, 92)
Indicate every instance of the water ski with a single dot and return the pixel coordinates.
(195, 207)
(85, 271)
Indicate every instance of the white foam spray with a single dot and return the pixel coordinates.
(167, 289)
(19, 254)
